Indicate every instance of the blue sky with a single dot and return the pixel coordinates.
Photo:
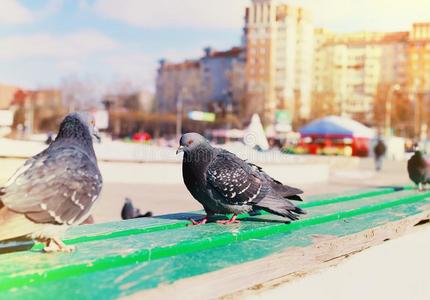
(43, 42)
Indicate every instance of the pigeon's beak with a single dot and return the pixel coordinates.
(96, 134)
(180, 149)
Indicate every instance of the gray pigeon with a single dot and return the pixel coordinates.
(54, 189)
(224, 183)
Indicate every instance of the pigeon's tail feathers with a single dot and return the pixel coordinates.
(280, 206)
(280, 212)
(294, 197)
(148, 214)
(13, 225)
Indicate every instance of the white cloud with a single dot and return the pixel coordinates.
(11, 12)
(127, 65)
(51, 8)
(87, 53)
(200, 14)
(45, 45)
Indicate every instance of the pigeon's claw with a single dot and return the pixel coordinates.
(56, 245)
(226, 222)
(199, 222)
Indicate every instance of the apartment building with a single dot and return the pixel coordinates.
(351, 67)
(418, 71)
(279, 59)
(179, 84)
(213, 82)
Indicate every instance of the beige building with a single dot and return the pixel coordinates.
(179, 83)
(279, 57)
(212, 83)
(351, 67)
(419, 76)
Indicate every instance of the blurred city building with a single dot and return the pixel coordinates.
(128, 112)
(38, 110)
(351, 67)
(290, 72)
(212, 83)
(379, 78)
(279, 59)
(136, 101)
(180, 82)
(419, 76)
(7, 93)
(33, 110)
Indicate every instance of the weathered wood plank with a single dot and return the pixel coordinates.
(132, 227)
(100, 255)
(266, 257)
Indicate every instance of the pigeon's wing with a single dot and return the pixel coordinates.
(283, 190)
(58, 187)
(235, 180)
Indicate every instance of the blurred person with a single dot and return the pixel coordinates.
(379, 151)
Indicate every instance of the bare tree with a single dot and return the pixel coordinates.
(80, 93)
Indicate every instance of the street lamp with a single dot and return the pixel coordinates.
(179, 108)
(388, 107)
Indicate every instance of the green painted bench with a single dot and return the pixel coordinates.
(161, 257)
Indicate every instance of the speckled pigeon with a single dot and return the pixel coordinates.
(223, 183)
(54, 189)
(418, 170)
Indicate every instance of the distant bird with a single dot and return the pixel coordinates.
(418, 170)
(130, 212)
(54, 189)
(224, 183)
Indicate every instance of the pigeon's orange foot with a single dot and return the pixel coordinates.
(226, 222)
(200, 222)
(56, 245)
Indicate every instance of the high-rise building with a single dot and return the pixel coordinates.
(419, 76)
(279, 58)
(351, 67)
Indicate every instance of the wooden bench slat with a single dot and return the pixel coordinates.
(99, 255)
(132, 227)
(129, 279)
(117, 229)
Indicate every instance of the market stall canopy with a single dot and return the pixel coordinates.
(337, 126)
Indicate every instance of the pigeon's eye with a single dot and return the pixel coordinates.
(93, 122)
(190, 142)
